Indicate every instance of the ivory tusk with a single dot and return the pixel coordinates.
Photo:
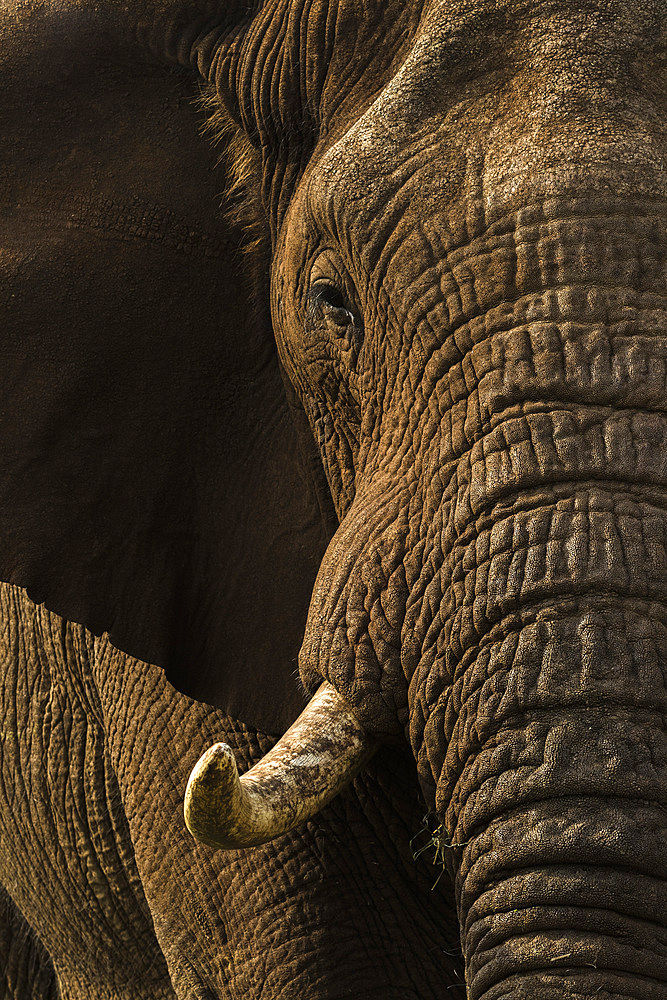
(324, 749)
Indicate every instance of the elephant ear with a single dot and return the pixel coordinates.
(156, 482)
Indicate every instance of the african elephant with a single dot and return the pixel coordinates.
(334, 326)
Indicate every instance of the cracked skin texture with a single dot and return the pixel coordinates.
(388, 339)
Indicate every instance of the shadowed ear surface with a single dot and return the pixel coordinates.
(155, 482)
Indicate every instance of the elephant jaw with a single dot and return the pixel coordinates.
(320, 754)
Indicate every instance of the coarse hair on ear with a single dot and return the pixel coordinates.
(241, 165)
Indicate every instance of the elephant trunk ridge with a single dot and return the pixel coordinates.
(552, 794)
(573, 902)
(310, 764)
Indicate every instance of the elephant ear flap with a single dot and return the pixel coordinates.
(156, 483)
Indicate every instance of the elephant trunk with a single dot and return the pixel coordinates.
(565, 898)
(535, 639)
(544, 740)
(554, 822)
(551, 786)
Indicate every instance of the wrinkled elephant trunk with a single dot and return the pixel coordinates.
(554, 813)
(544, 740)
(583, 917)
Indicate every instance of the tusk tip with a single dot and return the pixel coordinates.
(212, 794)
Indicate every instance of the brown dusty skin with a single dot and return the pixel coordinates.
(459, 208)
(320, 754)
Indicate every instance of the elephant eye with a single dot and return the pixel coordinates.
(326, 298)
(333, 342)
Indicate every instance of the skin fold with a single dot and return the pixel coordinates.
(336, 326)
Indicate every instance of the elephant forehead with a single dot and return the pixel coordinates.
(501, 108)
(457, 44)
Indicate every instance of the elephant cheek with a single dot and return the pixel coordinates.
(353, 634)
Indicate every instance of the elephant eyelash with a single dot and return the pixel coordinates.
(325, 299)
(328, 295)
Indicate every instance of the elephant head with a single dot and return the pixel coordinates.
(468, 271)
(458, 212)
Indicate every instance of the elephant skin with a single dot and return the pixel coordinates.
(339, 327)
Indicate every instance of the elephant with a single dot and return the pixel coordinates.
(334, 452)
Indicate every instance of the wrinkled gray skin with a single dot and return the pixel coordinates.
(466, 207)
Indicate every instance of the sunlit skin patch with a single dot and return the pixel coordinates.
(448, 220)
